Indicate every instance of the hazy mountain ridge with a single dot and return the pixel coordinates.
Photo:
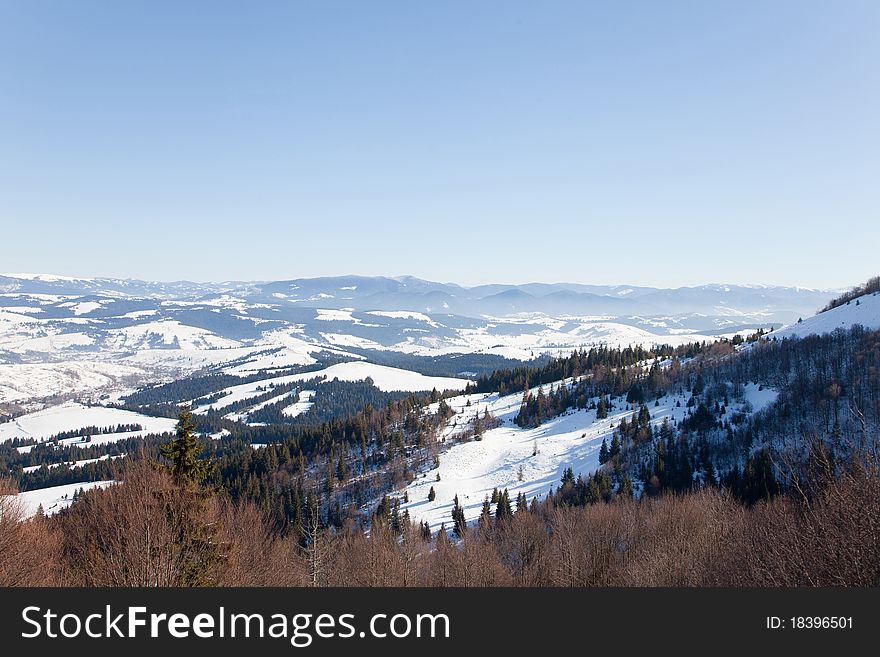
(410, 293)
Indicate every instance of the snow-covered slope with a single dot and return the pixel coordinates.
(71, 416)
(73, 464)
(389, 379)
(385, 378)
(166, 334)
(864, 311)
(302, 406)
(506, 458)
(54, 498)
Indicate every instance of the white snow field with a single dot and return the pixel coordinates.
(25, 381)
(473, 469)
(866, 313)
(55, 498)
(759, 398)
(243, 416)
(303, 405)
(544, 334)
(48, 422)
(385, 378)
(169, 333)
(74, 464)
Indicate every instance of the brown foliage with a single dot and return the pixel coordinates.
(254, 555)
(147, 531)
(829, 539)
(29, 548)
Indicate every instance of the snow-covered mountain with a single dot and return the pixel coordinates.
(63, 335)
(409, 293)
(864, 311)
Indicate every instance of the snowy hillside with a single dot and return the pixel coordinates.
(54, 498)
(864, 311)
(72, 416)
(389, 379)
(529, 461)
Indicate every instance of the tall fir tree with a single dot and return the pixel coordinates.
(183, 451)
(458, 522)
(601, 409)
(503, 510)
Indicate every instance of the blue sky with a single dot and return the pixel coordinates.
(657, 143)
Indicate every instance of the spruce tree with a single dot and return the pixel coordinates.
(644, 416)
(503, 510)
(183, 452)
(195, 538)
(601, 409)
(615, 446)
(395, 516)
(458, 522)
(486, 514)
(478, 426)
(342, 468)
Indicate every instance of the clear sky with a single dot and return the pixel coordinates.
(658, 143)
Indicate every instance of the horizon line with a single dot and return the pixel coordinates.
(49, 277)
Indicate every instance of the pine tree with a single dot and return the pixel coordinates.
(195, 537)
(432, 495)
(395, 516)
(342, 468)
(478, 426)
(603, 452)
(503, 510)
(383, 511)
(615, 446)
(601, 409)
(329, 478)
(486, 514)
(183, 452)
(644, 416)
(458, 522)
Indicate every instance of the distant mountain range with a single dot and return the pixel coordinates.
(774, 303)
